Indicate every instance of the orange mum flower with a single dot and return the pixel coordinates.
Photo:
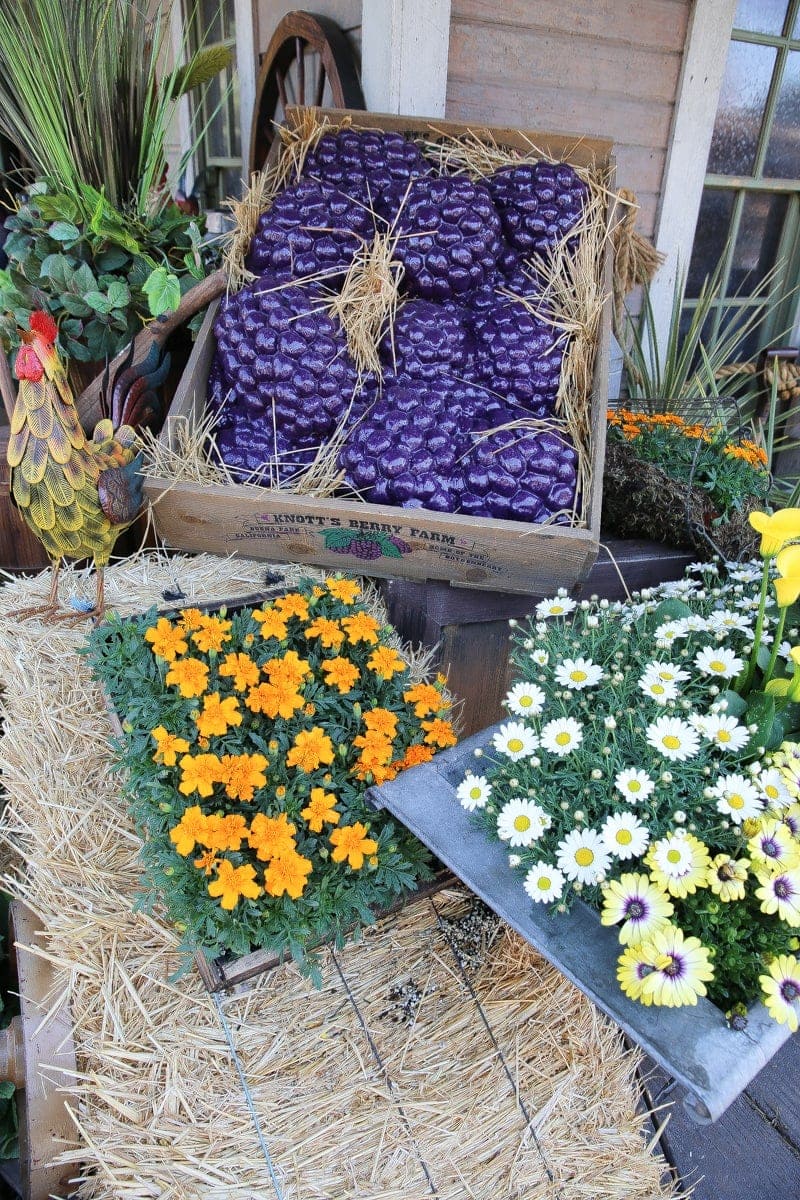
(241, 669)
(273, 625)
(328, 632)
(274, 700)
(190, 618)
(212, 634)
(380, 720)
(191, 828)
(351, 843)
(289, 874)
(320, 809)
(292, 605)
(386, 662)
(233, 883)
(168, 746)
(311, 747)
(165, 640)
(218, 715)
(225, 833)
(361, 627)
(440, 733)
(199, 773)
(242, 774)
(271, 836)
(426, 699)
(341, 674)
(190, 675)
(345, 590)
(290, 669)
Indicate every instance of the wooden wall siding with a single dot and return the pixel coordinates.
(601, 67)
(346, 14)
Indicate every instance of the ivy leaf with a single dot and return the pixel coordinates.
(119, 294)
(57, 267)
(163, 291)
(64, 231)
(99, 302)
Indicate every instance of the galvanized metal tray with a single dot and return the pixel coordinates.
(709, 1060)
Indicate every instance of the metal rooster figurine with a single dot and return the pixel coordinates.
(77, 495)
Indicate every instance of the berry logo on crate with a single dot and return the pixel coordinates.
(417, 321)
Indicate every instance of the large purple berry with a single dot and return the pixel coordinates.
(518, 356)
(366, 162)
(539, 203)
(448, 237)
(310, 229)
(427, 341)
(516, 475)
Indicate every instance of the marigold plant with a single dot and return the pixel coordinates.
(251, 737)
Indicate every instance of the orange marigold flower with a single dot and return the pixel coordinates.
(292, 605)
(386, 662)
(291, 669)
(274, 700)
(440, 733)
(351, 843)
(311, 747)
(199, 773)
(329, 633)
(190, 675)
(631, 431)
(309, 709)
(375, 772)
(233, 883)
(225, 833)
(190, 618)
(207, 862)
(361, 627)
(320, 808)
(341, 674)
(241, 669)
(288, 873)
(280, 792)
(165, 640)
(346, 590)
(203, 743)
(242, 774)
(271, 836)
(426, 699)
(376, 747)
(217, 715)
(380, 720)
(168, 746)
(273, 624)
(416, 754)
(190, 829)
(212, 634)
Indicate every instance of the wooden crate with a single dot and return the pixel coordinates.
(508, 556)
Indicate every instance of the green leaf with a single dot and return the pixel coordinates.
(75, 305)
(761, 713)
(64, 231)
(98, 302)
(111, 259)
(119, 294)
(83, 280)
(736, 703)
(58, 208)
(111, 226)
(671, 610)
(163, 291)
(59, 268)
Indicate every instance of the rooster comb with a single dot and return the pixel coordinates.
(42, 323)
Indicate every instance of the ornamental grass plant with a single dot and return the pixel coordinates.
(250, 738)
(650, 766)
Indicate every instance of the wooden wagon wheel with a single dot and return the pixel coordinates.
(308, 61)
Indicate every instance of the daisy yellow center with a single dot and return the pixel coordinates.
(584, 857)
(522, 823)
(624, 837)
(556, 609)
(475, 793)
(671, 741)
(634, 785)
(673, 856)
(723, 735)
(563, 738)
(525, 701)
(716, 665)
(771, 791)
(657, 689)
(577, 676)
(736, 801)
(543, 883)
(665, 675)
(514, 745)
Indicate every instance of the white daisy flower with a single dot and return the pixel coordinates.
(540, 657)
(725, 620)
(695, 623)
(624, 835)
(562, 735)
(785, 649)
(718, 661)
(526, 699)
(673, 737)
(773, 789)
(673, 855)
(578, 673)
(746, 572)
(521, 822)
(583, 856)
(635, 785)
(703, 568)
(667, 672)
(737, 798)
(473, 791)
(669, 632)
(515, 740)
(752, 603)
(559, 606)
(658, 689)
(678, 587)
(544, 883)
(725, 732)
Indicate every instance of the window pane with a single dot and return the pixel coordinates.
(741, 108)
(760, 16)
(757, 244)
(713, 225)
(783, 152)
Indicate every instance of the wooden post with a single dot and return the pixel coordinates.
(404, 47)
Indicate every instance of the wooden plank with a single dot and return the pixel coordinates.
(774, 1092)
(657, 24)
(522, 54)
(404, 48)
(346, 14)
